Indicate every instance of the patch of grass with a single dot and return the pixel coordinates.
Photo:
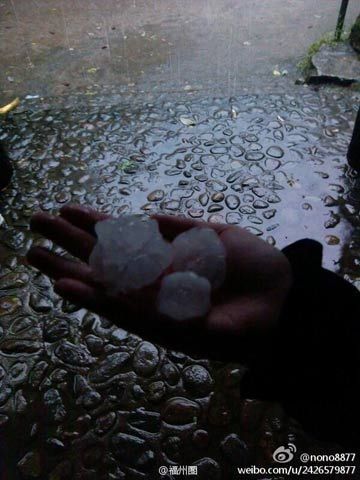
(126, 164)
(305, 65)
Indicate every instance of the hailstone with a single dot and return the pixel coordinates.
(130, 253)
(184, 295)
(201, 251)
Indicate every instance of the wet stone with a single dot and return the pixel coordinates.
(9, 305)
(336, 63)
(251, 138)
(197, 380)
(63, 197)
(216, 185)
(269, 213)
(91, 399)
(55, 445)
(218, 150)
(336, 188)
(350, 209)
(237, 187)
(201, 178)
(272, 227)
(215, 208)
(180, 164)
(179, 193)
(172, 205)
(188, 121)
(54, 403)
(260, 204)
(170, 373)
(330, 201)
(197, 166)
(254, 219)
(237, 140)
(171, 172)
(332, 240)
(180, 411)
(37, 374)
(55, 329)
(40, 303)
(232, 202)
(250, 182)
(204, 199)
(271, 240)
(109, 367)
(247, 198)
(306, 206)
(76, 355)
(233, 218)
(275, 152)
(155, 196)
(23, 325)
(247, 210)
(273, 198)
(118, 336)
(156, 391)
(218, 197)
(234, 176)
(278, 135)
(254, 156)
(332, 221)
(146, 359)
(255, 147)
(271, 164)
(13, 280)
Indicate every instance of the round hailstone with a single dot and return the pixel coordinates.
(184, 295)
(201, 251)
(130, 253)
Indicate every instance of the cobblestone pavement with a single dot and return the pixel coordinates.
(83, 399)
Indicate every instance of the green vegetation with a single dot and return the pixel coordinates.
(328, 39)
(126, 165)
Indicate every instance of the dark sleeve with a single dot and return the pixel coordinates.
(313, 362)
(353, 154)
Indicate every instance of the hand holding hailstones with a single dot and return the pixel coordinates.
(131, 253)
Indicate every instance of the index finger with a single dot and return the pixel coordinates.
(82, 217)
(68, 236)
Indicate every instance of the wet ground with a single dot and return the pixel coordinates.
(84, 392)
(81, 398)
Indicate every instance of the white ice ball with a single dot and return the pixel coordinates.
(184, 295)
(201, 251)
(130, 253)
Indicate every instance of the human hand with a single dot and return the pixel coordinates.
(244, 310)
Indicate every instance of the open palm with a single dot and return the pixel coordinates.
(244, 311)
